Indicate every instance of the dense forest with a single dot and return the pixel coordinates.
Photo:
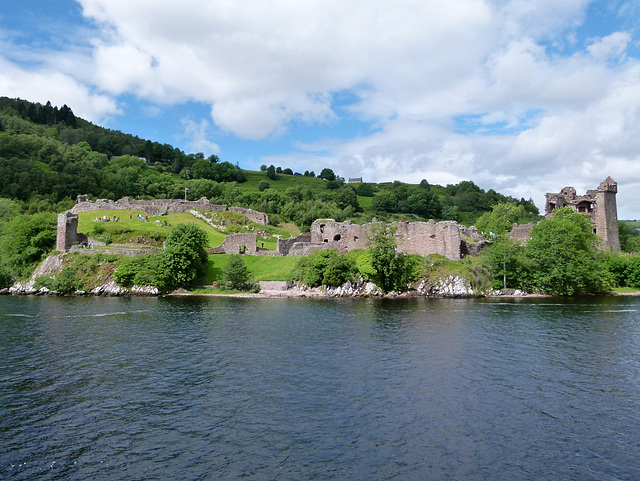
(48, 156)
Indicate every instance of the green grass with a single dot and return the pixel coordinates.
(626, 290)
(261, 268)
(125, 230)
(366, 203)
(282, 183)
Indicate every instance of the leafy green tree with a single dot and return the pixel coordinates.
(184, 260)
(311, 269)
(25, 240)
(6, 279)
(327, 174)
(365, 190)
(506, 261)
(271, 172)
(565, 257)
(339, 270)
(235, 274)
(287, 171)
(9, 209)
(393, 269)
(501, 218)
(263, 185)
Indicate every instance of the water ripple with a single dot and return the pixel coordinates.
(315, 389)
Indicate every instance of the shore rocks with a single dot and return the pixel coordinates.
(453, 286)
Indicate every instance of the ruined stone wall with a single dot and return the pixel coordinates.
(344, 236)
(306, 248)
(169, 206)
(67, 234)
(253, 215)
(234, 243)
(422, 238)
(283, 246)
(426, 238)
(521, 233)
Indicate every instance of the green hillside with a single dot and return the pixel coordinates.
(48, 156)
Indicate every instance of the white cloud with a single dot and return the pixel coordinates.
(43, 84)
(196, 132)
(413, 67)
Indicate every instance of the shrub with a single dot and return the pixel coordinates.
(339, 270)
(263, 185)
(235, 274)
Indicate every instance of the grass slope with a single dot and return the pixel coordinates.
(261, 268)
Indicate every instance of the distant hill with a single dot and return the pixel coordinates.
(48, 156)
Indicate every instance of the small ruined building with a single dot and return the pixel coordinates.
(355, 180)
(599, 204)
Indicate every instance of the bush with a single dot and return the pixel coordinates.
(338, 271)
(263, 185)
(235, 274)
(393, 270)
(66, 282)
(6, 280)
(310, 269)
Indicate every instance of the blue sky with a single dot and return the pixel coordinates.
(522, 96)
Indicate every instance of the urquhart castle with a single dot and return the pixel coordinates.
(446, 238)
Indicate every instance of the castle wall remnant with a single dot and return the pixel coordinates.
(237, 244)
(165, 206)
(422, 238)
(599, 204)
(67, 234)
(521, 233)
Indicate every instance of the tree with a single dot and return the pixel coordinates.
(236, 275)
(287, 171)
(393, 270)
(25, 240)
(263, 168)
(505, 258)
(271, 172)
(327, 174)
(263, 185)
(501, 219)
(565, 257)
(184, 260)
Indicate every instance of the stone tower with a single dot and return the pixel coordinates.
(67, 231)
(606, 214)
(599, 204)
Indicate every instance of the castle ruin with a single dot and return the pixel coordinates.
(446, 238)
(68, 235)
(422, 238)
(599, 204)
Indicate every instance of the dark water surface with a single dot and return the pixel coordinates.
(204, 388)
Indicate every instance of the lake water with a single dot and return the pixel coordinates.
(262, 389)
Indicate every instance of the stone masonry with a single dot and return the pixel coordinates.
(422, 238)
(599, 204)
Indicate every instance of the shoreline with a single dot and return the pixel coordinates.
(308, 293)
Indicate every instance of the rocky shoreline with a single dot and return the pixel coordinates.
(451, 287)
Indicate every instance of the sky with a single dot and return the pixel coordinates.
(520, 96)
